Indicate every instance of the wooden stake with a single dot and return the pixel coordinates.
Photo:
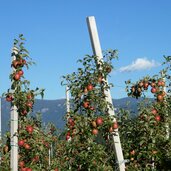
(98, 52)
(14, 128)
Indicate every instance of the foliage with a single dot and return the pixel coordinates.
(86, 142)
(145, 139)
(33, 141)
(88, 123)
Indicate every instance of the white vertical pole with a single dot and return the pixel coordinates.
(14, 128)
(167, 125)
(49, 155)
(51, 149)
(67, 100)
(68, 105)
(98, 52)
(165, 90)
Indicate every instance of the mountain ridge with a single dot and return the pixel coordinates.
(55, 110)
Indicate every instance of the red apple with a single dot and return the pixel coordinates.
(29, 104)
(86, 104)
(16, 77)
(154, 111)
(20, 72)
(24, 112)
(23, 169)
(160, 97)
(21, 143)
(153, 84)
(68, 133)
(21, 163)
(91, 108)
(35, 158)
(132, 152)
(29, 96)
(46, 144)
(27, 146)
(145, 85)
(115, 125)
(15, 63)
(90, 87)
(70, 121)
(28, 169)
(95, 131)
(158, 118)
(29, 129)
(68, 137)
(99, 121)
(153, 90)
(161, 83)
(9, 98)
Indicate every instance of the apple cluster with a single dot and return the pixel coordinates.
(157, 88)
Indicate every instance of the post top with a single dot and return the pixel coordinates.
(90, 17)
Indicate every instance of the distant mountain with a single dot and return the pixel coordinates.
(51, 110)
(54, 110)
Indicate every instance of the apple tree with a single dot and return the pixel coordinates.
(146, 140)
(88, 123)
(33, 141)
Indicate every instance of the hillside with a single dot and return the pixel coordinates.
(54, 110)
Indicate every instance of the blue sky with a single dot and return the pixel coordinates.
(57, 35)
